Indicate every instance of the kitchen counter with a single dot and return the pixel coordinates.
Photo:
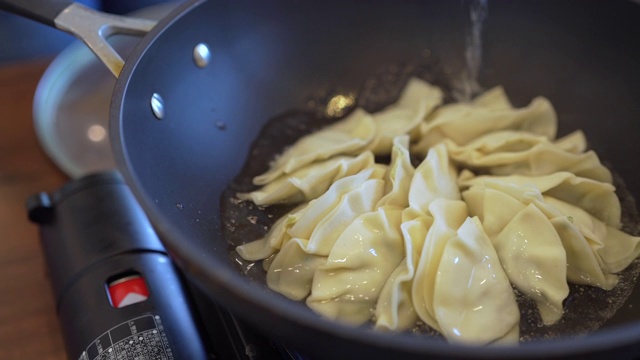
(28, 324)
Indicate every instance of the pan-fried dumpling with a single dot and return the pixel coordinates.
(491, 111)
(434, 178)
(417, 100)
(291, 271)
(322, 221)
(303, 221)
(613, 249)
(399, 174)
(528, 245)
(347, 286)
(535, 261)
(309, 182)
(273, 240)
(394, 310)
(582, 265)
(510, 152)
(482, 308)
(345, 137)
(448, 216)
(574, 142)
(496, 203)
(597, 198)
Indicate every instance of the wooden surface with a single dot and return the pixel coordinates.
(28, 325)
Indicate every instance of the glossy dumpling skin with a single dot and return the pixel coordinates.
(417, 100)
(473, 299)
(274, 239)
(359, 131)
(322, 221)
(613, 249)
(399, 175)
(309, 182)
(434, 178)
(448, 216)
(491, 111)
(394, 309)
(496, 203)
(510, 152)
(346, 137)
(596, 197)
(348, 285)
(527, 243)
(535, 261)
(316, 229)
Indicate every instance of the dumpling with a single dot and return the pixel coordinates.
(434, 178)
(345, 137)
(597, 198)
(448, 216)
(399, 174)
(491, 111)
(273, 240)
(417, 100)
(291, 272)
(347, 286)
(532, 255)
(316, 229)
(481, 309)
(496, 203)
(614, 250)
(511, 152)
(527, 243)
(583, 266)
(394, 310)
(322, 221)
(309, 182)
(574, 142)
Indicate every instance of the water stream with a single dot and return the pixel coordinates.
(467, 86)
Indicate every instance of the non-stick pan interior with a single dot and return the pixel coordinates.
(270, 57)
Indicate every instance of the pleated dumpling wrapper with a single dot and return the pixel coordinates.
(529, 248)
(491, 111)
(394, 309)
(359, 131)
(345, 137)
(400, 173)
(596, 197)
(309, 182)
(316, 229)
(495, 203)
(417, 100)
(348, 285)
(613, 249)
(448, 216)
(483, 295)
(511, 152)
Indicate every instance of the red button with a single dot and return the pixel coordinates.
(128, 290)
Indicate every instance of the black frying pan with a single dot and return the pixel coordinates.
(270, 57)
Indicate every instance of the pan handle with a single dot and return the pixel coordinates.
(90, 26)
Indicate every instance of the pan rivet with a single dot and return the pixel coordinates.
(157, 106)
(201, 55)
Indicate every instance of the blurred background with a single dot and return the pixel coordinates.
(22, 39)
